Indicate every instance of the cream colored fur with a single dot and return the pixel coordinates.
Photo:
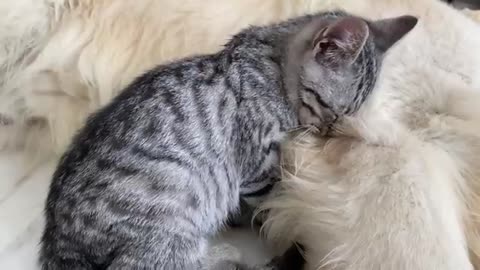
(398, 187)
(62, 59)
(72, 57)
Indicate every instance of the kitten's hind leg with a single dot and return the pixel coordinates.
(179, 252)
(292, 259)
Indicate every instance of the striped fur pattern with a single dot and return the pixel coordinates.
(157, 171)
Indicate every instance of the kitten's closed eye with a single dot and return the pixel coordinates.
(321, 120)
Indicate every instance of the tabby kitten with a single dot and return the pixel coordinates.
(157, 172)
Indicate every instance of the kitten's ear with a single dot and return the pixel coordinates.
(341, 42)
(387, 32)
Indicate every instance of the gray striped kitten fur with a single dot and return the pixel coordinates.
(159, 170)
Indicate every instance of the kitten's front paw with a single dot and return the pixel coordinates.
(221, 253)
(229, 265)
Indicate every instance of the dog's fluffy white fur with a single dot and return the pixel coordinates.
(398, 190)
(62, 59)
(398, 186)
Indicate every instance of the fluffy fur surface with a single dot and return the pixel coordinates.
(398, 186)
(62, 59)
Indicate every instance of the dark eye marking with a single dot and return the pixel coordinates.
(318, 98)
(309, 108)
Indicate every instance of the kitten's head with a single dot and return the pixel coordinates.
(333, 63)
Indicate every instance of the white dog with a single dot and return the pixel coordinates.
(398, 186)
(62, 59)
